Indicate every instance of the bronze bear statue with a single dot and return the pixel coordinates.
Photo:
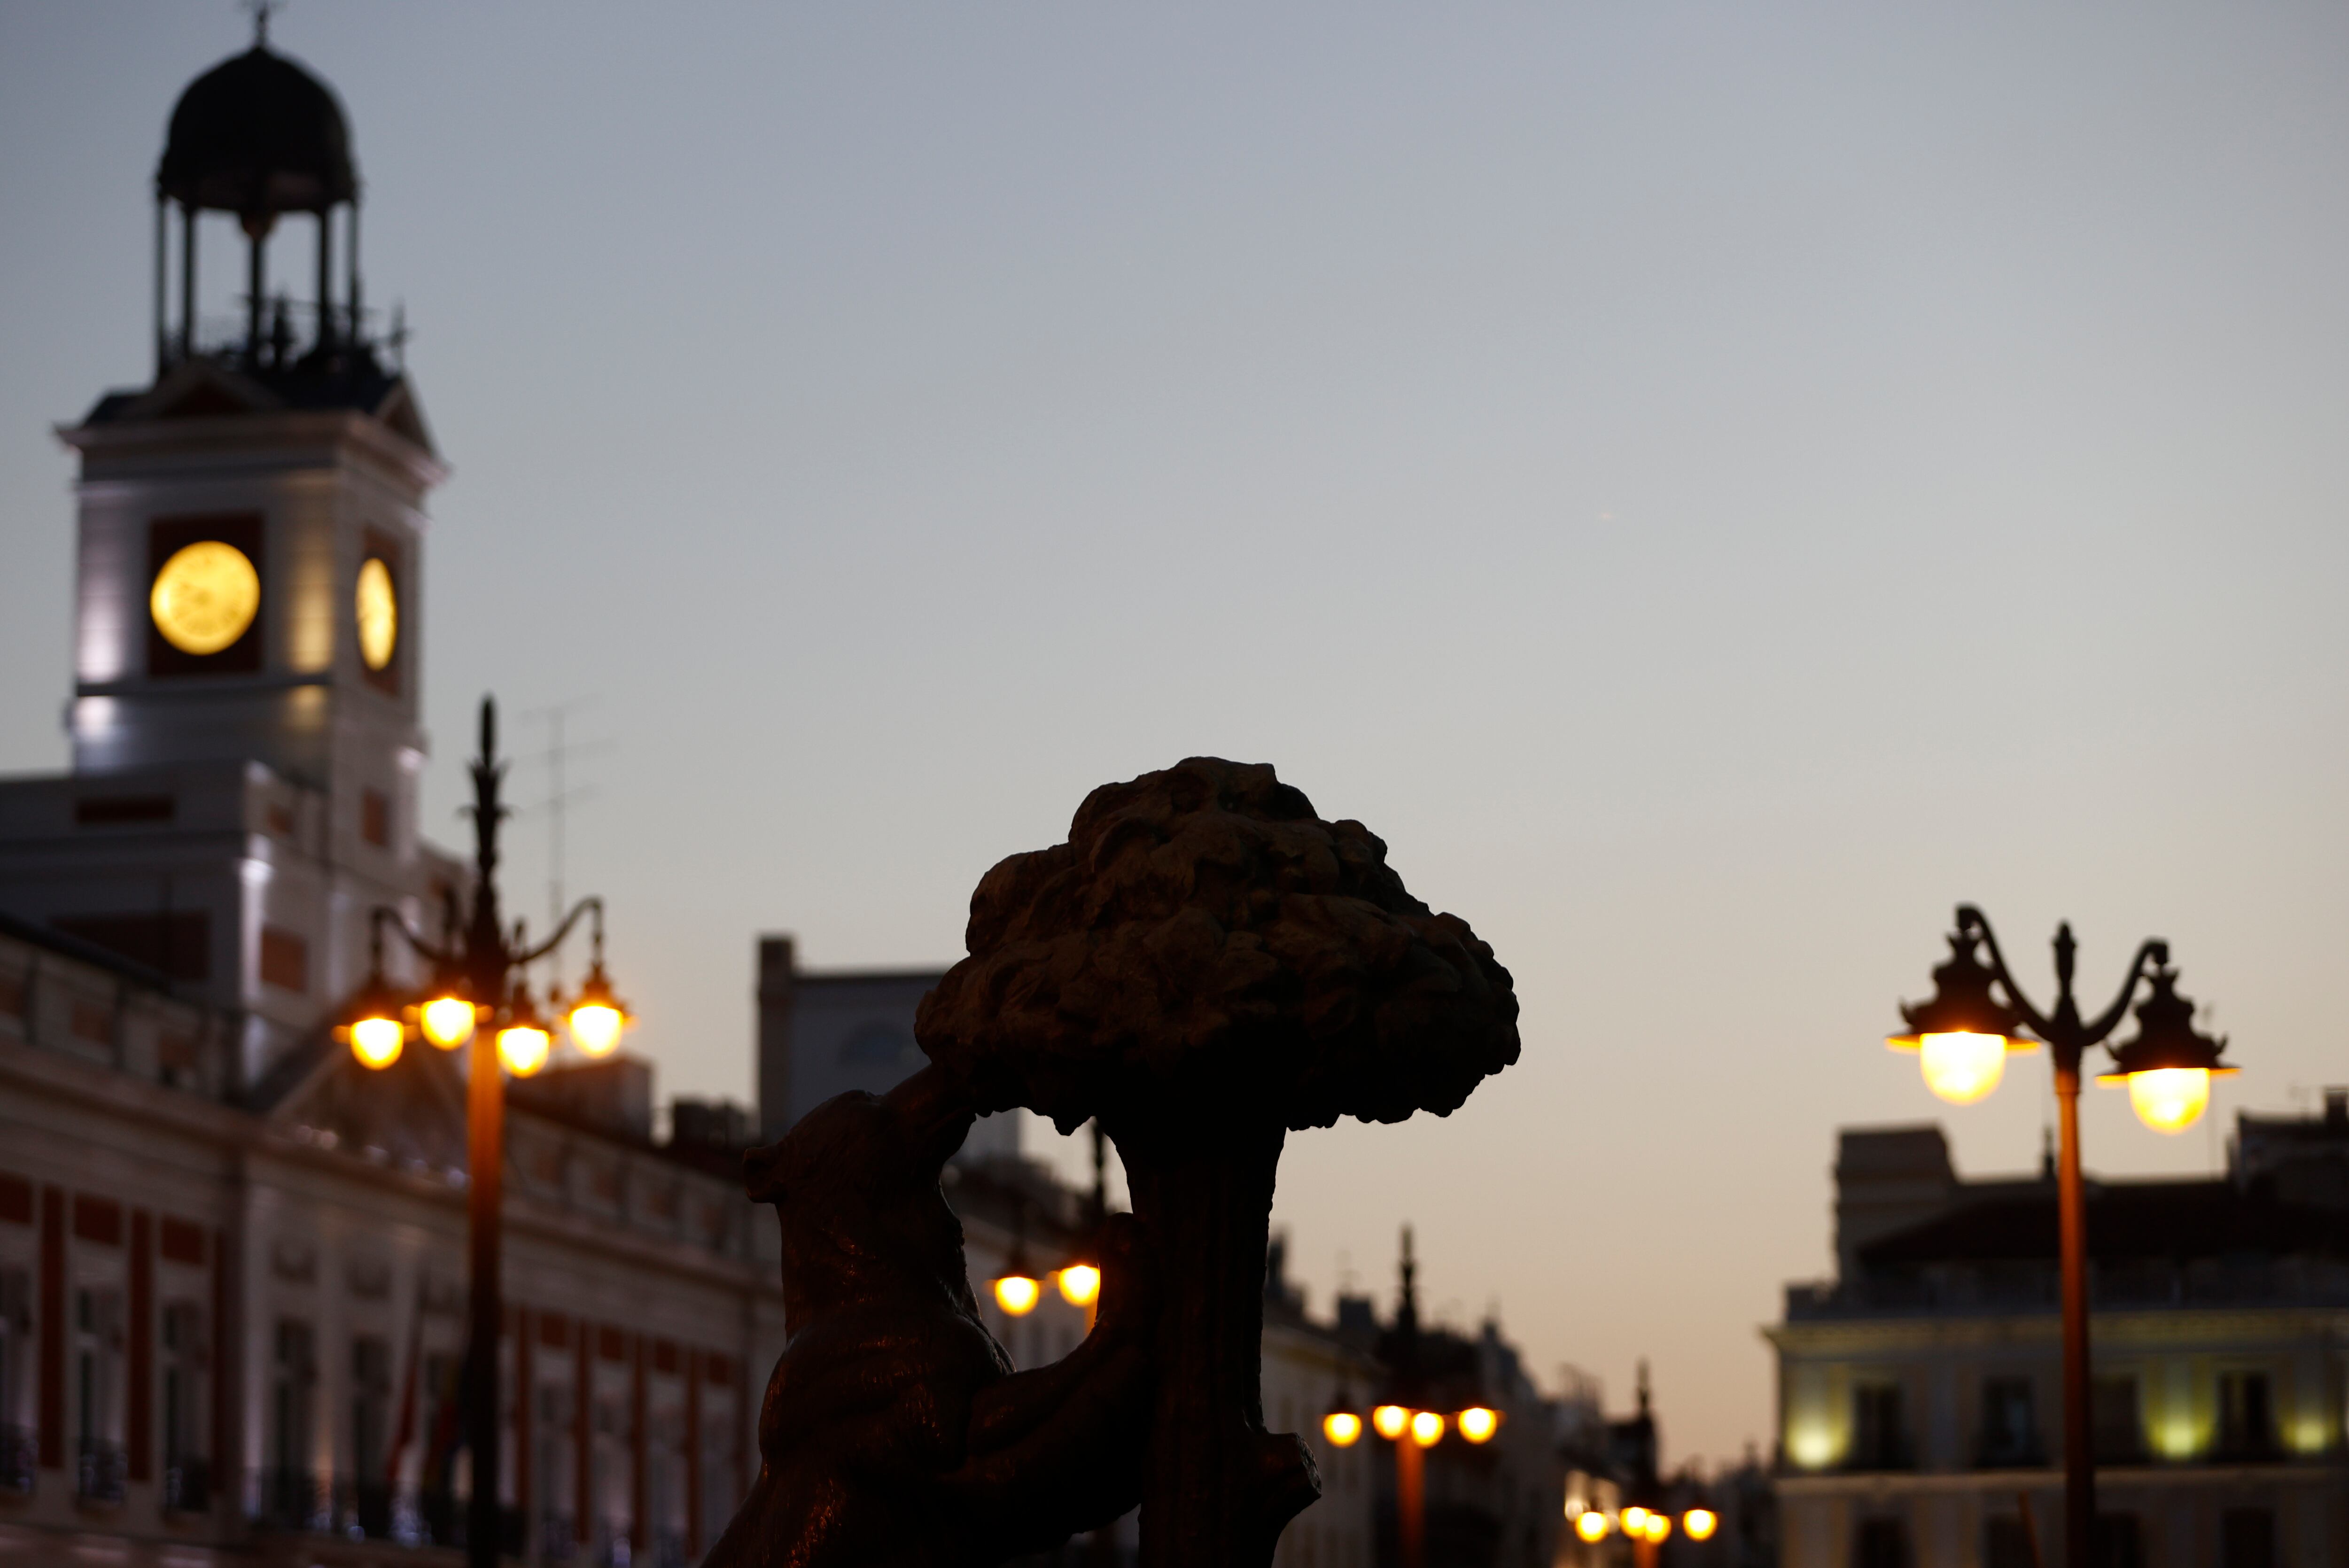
(895, 1432)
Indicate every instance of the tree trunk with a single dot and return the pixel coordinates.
(1218, 1490)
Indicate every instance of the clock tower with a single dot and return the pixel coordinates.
(244, 719)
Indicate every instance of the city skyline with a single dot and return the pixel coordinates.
(1712, 492)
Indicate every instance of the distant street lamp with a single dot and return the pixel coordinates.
(1963, 1034)
(1412, 1431)
(479, 980)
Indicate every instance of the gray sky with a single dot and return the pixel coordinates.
(1712, 486)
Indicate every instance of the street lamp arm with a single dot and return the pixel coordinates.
(383, 915)
(563, 929)
(1972, 922)
(2147, 963)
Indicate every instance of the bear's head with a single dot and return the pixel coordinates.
(855, 1185)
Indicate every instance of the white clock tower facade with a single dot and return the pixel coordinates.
(244, 716)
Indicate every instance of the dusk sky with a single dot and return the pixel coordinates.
(1712, 486)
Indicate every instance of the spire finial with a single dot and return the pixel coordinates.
(261, 10)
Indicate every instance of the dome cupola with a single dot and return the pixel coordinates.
(257, 136)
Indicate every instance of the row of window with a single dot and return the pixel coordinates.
(2246, 1539)
(2011, 1435)
(95, 1356)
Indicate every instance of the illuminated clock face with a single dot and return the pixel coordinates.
(205, 597)
(379, 613)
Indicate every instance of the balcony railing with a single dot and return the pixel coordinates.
(2008, 1453)
(2113, 1287)
(19, 1453)
(303, 1502)
(99, 1472)
(187, 1486)
(292, 1500)
(1893, 1453)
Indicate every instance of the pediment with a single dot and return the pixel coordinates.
(409, 1115)
(404, 416)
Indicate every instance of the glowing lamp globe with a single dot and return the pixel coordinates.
(2170, 1099)
(1635, 1521)
(1961, 1069)
(1079, 1284)
(1478, 1424)
(1658, 1526)
(447, 1021)
(2169, 1066)
(1017, 1293)
(370, 1024)
(1590, 1525)
(524, 1049)
(1342, 1428)
(1962, 1034)
(1426, 1429)
(1700, 1523)
(596, 1029)
(598, 1017)
(1390, 1420)
(377, 1041)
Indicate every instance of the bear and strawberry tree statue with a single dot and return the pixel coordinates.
(1207, 966)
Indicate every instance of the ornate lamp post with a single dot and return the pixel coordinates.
(1413, 1430)
(478, 980)
(1406, 1419)
(1963, 1035)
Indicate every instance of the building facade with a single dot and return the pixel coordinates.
(230, 1329)
(232, 1261)
(1920, 1396)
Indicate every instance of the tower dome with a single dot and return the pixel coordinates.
(257, 136)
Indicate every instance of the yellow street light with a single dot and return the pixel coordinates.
(2169, 1066)
(1658, 1526)
(1635, 1520)
(1342, 1428)
(523, 1043)
(1590, 1525)
(1962, 1034)
(1700, 1523)
(375, 1041)
(597, 1015)
(370, 1023)
(1478, 1424)
(1426, 1427)
(1016, 1289)
(1390, 1420)
(1961, 1068)
(2168, 1100)
(447, 1020)
(1079, 1284)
